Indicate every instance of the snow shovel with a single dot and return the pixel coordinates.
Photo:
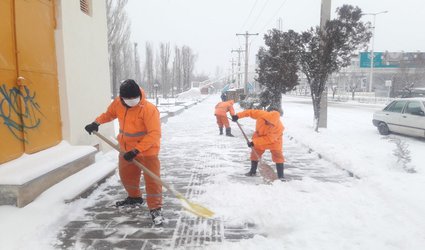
(189, 206)
(265, 170)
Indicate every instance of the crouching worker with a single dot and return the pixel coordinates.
(139, 139)
(268, 135)
(220, 113)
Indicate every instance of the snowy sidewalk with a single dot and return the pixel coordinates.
(193, 155)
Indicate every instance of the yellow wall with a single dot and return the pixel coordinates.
(29, 99)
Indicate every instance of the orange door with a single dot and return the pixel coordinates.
(11, 136)
(30, 78)
(35, 24)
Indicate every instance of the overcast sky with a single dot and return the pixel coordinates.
(210, 26)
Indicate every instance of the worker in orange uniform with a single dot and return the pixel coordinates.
(220, 113)
(139, 138)
(268, 135)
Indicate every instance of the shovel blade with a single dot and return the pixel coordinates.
(196, 209)
(199, 210)
(267, 172)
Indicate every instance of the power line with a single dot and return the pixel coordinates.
(250, 13)
(275, 14)
(271, 19)
(259, 14)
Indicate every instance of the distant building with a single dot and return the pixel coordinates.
(392, 72)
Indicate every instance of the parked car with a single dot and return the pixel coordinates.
(404, 116)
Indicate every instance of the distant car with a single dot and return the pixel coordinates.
(403, 116)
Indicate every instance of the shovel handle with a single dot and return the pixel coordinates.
(191, 207)
(138, 164)
(246, 138)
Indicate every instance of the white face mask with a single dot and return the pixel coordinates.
(132, 102)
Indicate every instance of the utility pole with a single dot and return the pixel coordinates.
(371, 51)
(279, 24)
(246, 58)
(233, 70)
(239, 51)
(325, 15)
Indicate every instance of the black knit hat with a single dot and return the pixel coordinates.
(223, 97)
(129, 89)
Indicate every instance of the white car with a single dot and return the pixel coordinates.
(404, 116)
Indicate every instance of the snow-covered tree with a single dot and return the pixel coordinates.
(278, 67)
(325, 51)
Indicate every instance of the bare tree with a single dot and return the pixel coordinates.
(138, 74)
(149, 74)
(164, 58)
(411, 74)
(188, 65)
(118, 42)
(176, 72)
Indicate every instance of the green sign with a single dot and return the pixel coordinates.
(378, 61)
(393, 59)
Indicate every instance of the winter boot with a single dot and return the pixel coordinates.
(279, 170)
(157, 217)
(221, 130)
(253, 170)
(229, 132)
(129, 201)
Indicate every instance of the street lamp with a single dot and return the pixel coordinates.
(156, 85)
(371, 51)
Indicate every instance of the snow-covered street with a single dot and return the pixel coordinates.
(349, 190)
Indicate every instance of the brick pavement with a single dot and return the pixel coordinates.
(187, 157)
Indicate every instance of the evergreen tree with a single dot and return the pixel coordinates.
(326, 51)
(278, 67)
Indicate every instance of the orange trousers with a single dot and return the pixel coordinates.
(130, 177)
(277, 155)
(222, 120)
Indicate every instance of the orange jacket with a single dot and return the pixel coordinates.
(268, 129)
(223, 107)
(140, 126)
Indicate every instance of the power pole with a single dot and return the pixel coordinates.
(279, 24)
(325, 15)
(233, 70)
(239, 51)
(246, 57)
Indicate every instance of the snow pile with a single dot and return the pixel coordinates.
(191, 94)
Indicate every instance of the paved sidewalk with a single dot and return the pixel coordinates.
(186, 156)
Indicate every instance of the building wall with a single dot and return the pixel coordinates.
(83, 70)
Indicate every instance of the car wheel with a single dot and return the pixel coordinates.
(383, 128)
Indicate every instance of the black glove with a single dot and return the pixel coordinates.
(130, 155)
(250, 144)
(94, 126)
(235, 118)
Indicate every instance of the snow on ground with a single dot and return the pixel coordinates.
(382, 209)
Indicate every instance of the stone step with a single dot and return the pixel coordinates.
(25, 178)
(84, 182)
